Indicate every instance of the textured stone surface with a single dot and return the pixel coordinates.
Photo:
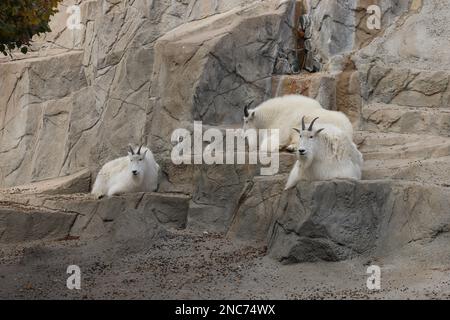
(79, 182)
(339, 220)
(415, 40)
(316, 85)
(392, 118)
(338, 27)
(35, 108)
(20, 223)
(215, 189)
(133, 77)
(208, 73)
(29, 216)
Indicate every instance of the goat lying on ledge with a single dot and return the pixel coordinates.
(324, 154)
(137, 172)
(281, 113)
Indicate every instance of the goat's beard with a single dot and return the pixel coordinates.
(305, 160)
(136, 178)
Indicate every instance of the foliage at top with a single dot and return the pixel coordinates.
(20, 20)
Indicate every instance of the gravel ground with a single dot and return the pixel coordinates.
(185, 265)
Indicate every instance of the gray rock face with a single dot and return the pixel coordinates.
(415, 40)
(209, 74)
(339, 27)
(27, 215)
(338, 220)
(132, 76)
(329, 221)
(20, 223)
(35, 108)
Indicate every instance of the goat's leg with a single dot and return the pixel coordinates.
(293, 144)
(116, 191)
(295, 176)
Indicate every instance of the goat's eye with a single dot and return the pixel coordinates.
(311, 137)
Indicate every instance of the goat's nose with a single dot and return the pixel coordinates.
(302, 151)
(135, 172)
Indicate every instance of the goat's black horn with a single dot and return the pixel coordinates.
(246, 113)
(131, 149)
(303, 123)
(139, 150)
(312, 124)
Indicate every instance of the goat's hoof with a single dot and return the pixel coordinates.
(291, 148)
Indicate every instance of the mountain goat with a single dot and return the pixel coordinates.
(281, 113)
(324, 154)
(137, 172)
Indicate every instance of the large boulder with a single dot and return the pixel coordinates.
(338, 220)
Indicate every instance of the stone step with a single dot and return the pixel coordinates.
(375, 146)
(25, 216)
(409, 157)
(75, 183)
(341, 219)
(215, 189)
(387, 146)
(405, 87)
(433, 171)
(378, 117)
(188, 177)
(21, 222)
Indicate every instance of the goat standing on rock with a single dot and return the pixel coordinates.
(324, 154)
(137, 172)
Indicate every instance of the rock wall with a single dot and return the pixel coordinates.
(339, 28)
(133, 72)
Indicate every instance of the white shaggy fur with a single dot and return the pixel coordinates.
(137, 172)
(284, 113)
(329, 154)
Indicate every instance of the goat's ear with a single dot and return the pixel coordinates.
(319, 131)
(296, 129)
(145, 152)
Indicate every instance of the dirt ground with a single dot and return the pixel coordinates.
(185, 265)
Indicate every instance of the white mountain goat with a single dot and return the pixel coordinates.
(282, 113)
(137, 172)
(324, 154)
